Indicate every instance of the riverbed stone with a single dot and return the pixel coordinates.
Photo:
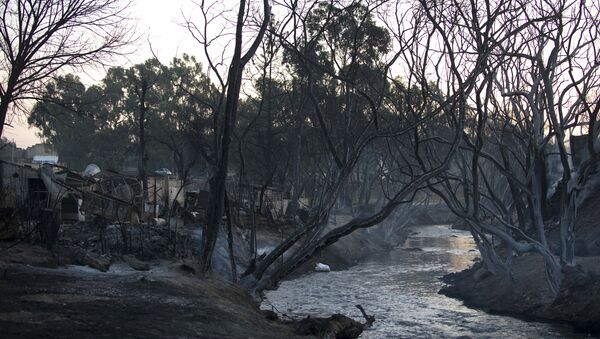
(136, 264)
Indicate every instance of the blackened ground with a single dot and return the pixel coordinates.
(526, 295)
(77, 302)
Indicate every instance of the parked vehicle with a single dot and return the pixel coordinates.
(163, 171)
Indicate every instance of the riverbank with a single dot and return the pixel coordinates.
(165, 301)
(527, 296)
(85, 287)
(401, 288)
(348, 251)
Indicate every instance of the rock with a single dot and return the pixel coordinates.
(187, 268)
(135, 263)
(96, 261)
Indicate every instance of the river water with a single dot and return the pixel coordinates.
(400, 289)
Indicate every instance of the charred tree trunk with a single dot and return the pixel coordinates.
(230, 240)
(234, 81)
(539, 197)
(4, 102)
(141, 92)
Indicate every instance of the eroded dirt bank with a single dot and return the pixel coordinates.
(165, 301)
(97, 283)
(527, 296)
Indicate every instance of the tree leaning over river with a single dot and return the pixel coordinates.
(368, 106)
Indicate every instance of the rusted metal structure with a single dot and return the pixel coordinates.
(31, 190)
(108, 195)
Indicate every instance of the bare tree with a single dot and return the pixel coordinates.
(370, 117)
(38, 38)
(224, 122)
(539, 86)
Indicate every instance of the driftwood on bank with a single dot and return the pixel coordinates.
(336, 326)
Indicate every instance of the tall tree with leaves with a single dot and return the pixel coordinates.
(78, 121)
(142, 84)
(183, 122)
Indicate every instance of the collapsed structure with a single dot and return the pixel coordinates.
(51, 193)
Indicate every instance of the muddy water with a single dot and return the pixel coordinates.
(401, 288)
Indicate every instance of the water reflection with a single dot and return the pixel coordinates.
(457, 247)
(400, 289)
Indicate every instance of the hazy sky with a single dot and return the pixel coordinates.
(157, 23)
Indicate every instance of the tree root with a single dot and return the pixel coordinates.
(337, 326)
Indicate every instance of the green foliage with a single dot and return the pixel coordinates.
(78, 121)
(338, 68)
(100, 124)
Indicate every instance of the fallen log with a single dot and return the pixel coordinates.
(336, 326)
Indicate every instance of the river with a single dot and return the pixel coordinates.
(400, 289)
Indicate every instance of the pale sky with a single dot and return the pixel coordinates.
(158, 24)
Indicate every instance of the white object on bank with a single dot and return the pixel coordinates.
(319, 267)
